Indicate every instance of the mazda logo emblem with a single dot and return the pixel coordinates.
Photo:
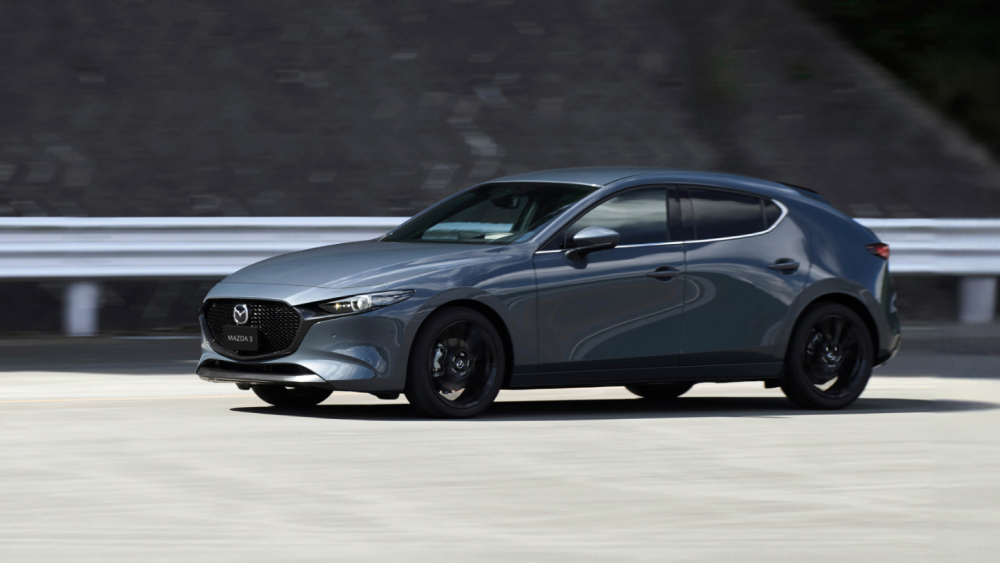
(241, 314)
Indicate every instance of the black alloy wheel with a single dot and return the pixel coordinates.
(291, 397)
(829, 359)
(456, 364)
(660, 391)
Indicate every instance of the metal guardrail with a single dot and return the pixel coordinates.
(161, 247)
(966, 247)
(95, 248)
(83, 250)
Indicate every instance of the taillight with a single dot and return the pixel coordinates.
(879, 249)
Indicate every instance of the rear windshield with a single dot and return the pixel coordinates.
(491, 214)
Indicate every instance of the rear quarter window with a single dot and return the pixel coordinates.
(771, 214)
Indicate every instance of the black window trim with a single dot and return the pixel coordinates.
(562, 230)
(688, 211)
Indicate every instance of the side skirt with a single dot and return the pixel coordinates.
(607, 378)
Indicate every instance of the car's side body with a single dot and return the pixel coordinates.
(724, 315)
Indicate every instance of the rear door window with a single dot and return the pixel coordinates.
(719, 214)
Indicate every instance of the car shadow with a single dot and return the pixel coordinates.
(597, 409)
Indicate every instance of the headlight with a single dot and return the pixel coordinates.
(365, 302)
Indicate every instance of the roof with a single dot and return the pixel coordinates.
(594, 176)
(605, 175)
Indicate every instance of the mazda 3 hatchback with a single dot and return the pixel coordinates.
(639, 277)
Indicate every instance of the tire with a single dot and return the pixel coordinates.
(829, 359)
(457, 364)
(660, 391)
(291, 397)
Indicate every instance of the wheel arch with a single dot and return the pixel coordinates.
(851, 302)
(487, 311)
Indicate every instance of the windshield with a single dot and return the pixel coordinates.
(491, 214)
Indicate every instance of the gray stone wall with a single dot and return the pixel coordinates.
(279, 107)
(274, 107)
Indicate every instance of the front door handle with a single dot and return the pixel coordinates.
(785, 265)
(664, 273)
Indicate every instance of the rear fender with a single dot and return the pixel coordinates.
(837, 289)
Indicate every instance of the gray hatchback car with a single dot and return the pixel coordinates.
(639, 277)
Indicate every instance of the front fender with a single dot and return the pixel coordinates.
(439, 300)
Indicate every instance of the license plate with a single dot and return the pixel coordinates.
(242, 338)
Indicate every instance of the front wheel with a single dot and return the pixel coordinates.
(829, 359)
(456, 365)
(291, 397)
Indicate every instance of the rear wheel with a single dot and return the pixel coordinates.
(660, 391)
(456, 364)
(829, 359)
(291, 397)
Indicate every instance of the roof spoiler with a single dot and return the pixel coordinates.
(813, 194)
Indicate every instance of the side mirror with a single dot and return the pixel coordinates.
(591, 239)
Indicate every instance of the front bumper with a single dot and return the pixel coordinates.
(356, 353)
(232, 372)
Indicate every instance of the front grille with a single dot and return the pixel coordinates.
(277, 324)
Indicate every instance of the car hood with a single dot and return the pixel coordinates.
(357, 264)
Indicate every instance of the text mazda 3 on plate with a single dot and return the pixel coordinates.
(648, 278)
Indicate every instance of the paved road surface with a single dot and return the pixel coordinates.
(142, 463)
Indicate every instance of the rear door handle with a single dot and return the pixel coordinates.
(785, 265)
(664, 273)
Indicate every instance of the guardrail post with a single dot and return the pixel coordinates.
(977, 299)
(81, 304)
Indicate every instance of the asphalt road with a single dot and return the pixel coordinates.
(112, 454)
